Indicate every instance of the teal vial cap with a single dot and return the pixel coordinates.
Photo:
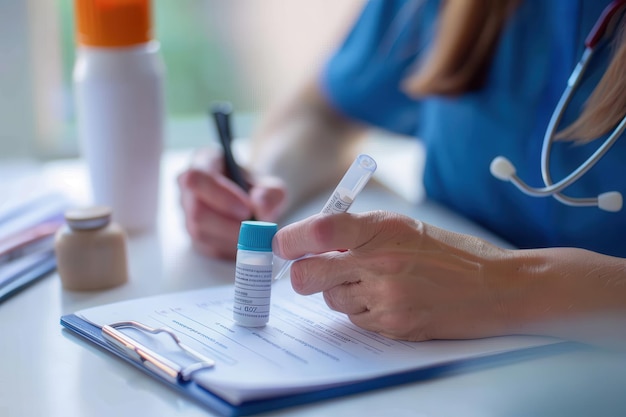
(257, 236)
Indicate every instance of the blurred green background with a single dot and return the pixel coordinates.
(249, 52)
(194, 58)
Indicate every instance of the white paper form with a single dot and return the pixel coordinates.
(305, 346)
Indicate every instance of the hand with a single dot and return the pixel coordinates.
(398, 276)
(214, 206)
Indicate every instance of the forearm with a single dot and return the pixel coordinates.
(566, 292)
(305, 143)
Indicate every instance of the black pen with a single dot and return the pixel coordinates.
(221, 115)
(221, 112)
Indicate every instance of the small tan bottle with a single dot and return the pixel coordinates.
(91, 250)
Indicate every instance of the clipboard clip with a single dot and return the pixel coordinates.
(157, 363)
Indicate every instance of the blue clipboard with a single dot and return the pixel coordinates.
(218, 405)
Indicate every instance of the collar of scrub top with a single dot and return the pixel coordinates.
(503, 169)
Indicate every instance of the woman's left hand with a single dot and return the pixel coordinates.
(400, 277)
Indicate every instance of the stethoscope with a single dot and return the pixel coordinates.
(503, 169)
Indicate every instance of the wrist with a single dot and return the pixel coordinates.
(512, 278)
(563, 292)
(522, 284)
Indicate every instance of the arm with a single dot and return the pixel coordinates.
(408, 280)
(303, 147)
(306, 143)
(568, 292)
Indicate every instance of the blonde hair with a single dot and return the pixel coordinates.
(466, 39)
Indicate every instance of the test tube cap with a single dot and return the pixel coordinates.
(256, 235)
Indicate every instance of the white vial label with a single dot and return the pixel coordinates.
(340, 202)
(253, 286)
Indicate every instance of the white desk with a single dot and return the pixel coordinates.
(46, 371)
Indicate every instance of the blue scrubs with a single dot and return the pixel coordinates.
(539, 47)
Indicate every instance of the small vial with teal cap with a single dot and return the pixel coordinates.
(253, 273)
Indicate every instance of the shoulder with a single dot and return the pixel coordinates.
(381, 16)
(362, 78)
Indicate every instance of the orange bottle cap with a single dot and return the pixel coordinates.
(113, 23)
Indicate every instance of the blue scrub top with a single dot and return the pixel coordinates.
(540, 46)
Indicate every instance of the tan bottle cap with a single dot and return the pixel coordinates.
(88, 218)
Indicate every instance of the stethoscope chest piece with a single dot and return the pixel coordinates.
(504, 170)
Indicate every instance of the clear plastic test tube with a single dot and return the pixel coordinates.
(346, 191)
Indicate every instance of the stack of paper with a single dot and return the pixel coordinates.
(305, 353)
(28, 222)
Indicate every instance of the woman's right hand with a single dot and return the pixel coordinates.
(214, 205)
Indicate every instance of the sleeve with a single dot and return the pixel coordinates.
(362, 78)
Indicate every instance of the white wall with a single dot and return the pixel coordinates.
(277, 43)
(16, 127)
(274, 43)
(30, 77)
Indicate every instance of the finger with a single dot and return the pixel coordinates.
(323, 272)
(268, 199)
(217, 192)
(208, 159)
(323, 233)
(419, 330)
(208, 228)
(365, 320)
(349, 298)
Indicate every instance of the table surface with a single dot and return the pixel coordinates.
(48, 371)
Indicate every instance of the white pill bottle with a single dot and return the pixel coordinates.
(253, 273)
(120, 111)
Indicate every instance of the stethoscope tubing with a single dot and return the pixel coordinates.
(551, 188)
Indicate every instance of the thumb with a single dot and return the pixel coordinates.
(268, 199)
(330, 232)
